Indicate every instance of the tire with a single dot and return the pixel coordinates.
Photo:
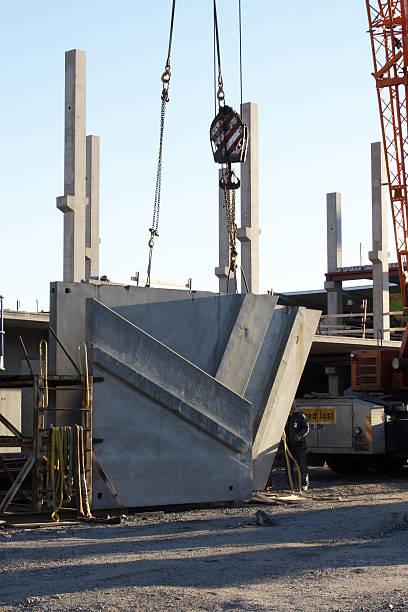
(348, 465)
(383, 464)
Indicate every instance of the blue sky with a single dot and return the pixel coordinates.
(307, 65)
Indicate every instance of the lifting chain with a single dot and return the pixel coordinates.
(229, 141)
(229, 196)
(165, 78)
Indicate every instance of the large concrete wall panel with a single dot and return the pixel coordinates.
(245, 341)
(68, 310)
(251, 346)
(198, 329)
(153, 457)
(289, 358)
(171, 433)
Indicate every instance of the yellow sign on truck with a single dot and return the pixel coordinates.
(320, 415)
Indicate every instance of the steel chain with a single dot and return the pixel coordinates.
(165, 78)
(156, 207)
(229, 196)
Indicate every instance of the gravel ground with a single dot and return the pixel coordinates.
(349, 554)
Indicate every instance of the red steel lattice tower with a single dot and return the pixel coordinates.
(389, 42)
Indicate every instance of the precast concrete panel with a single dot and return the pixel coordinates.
(284, 352)
(171, 433)
(68, 305)
(197, 329)
(246, 343)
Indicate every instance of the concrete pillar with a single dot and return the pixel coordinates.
(248, 233)
(73, 202)
(379, 255)
(335, 378)
(334, 259)
(223, 246)
(92, 208)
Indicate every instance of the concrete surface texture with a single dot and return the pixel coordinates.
(334, 288)
(198, 329)
(274, 382)
(72, 203)
(68, 306)
(246, 342)
(334, 258)
(80, 202)
(379, 256)
(92, 239)
(254, 348)
(171, 433)
(248, 233)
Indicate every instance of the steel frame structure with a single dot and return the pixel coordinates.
(389, 42)
(35, 447)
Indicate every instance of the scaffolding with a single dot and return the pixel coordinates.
(35, 447)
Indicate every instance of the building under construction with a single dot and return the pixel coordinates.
(147, 395)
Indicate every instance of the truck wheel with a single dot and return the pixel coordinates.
(348, 465)
(383, 464)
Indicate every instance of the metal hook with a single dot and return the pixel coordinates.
(230, 180)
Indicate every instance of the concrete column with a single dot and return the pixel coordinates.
(335, 379)
(334, 258)
(223, 246)
(248, 233)
(73, 202)
(379, 255)
(92, 239)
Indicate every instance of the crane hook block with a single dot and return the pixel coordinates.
(229, 137)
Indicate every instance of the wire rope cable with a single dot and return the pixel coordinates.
(165, 78)
(220, 92)
(240, 52)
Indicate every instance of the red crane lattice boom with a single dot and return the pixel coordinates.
(389, 42)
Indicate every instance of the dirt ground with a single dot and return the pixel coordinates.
(320, 555)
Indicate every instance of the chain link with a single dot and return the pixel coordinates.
(156, 207)
(165, 78)
(229, 196)
(157, 194)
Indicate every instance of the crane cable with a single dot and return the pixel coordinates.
(240, 53)
(229, 194)
(227, 175)
(220, 92)
(165, 78)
